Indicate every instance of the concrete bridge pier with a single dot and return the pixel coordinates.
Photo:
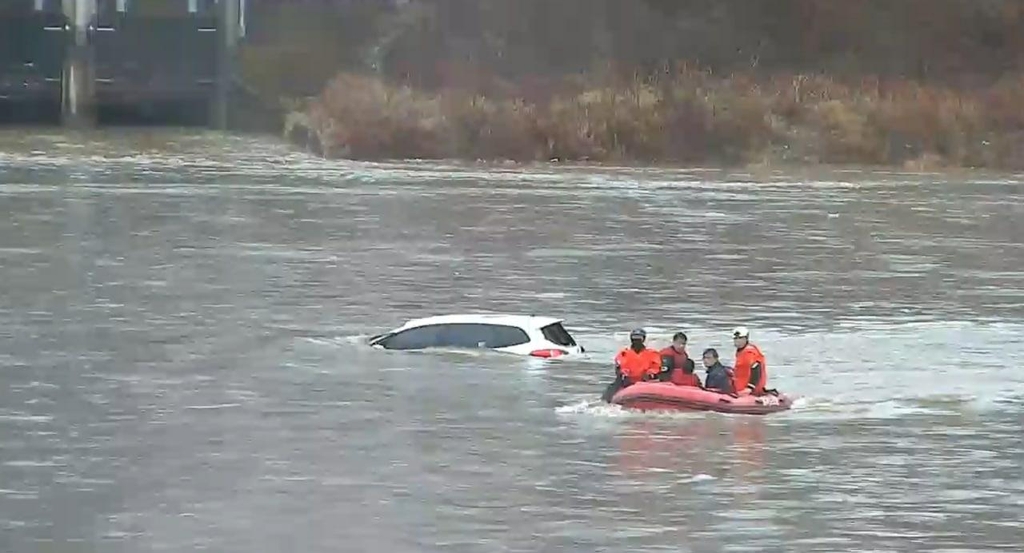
(100, 60)
(229, 31)
(78, 94)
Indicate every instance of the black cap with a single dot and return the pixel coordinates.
(638, 333)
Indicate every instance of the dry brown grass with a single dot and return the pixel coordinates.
(681, 116)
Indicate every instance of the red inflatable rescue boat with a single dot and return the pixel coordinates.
(665, 396)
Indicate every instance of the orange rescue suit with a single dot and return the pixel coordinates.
(637, 367)
(746, 359)
(679, 362)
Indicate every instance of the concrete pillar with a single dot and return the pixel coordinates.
(241, 19)
(78, 107)
(228, 19)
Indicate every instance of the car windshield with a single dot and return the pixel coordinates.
(556, 334)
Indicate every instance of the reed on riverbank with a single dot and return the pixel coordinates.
(683, 116)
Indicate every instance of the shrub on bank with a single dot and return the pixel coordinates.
(686, 117)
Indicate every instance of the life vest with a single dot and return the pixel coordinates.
(636, 366)
(678, 363)
(745, 359)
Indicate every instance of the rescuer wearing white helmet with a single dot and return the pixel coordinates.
(750, 373)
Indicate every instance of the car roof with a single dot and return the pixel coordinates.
(522, 321)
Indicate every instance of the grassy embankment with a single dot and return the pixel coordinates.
(755, 107)
(691, 117)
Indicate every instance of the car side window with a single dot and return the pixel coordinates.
(507, 336)
(471, 335)
(462, 335)
(557, 334)
(416, 338)
(458, 335)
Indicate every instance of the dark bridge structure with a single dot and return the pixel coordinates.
(83, 62)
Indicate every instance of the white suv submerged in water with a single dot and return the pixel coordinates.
(518, 334)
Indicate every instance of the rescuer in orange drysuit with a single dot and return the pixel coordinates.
(634, 364)
(750, 373)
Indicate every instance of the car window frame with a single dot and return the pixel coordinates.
(488, 331)
(447, 336)
(565, 331)
(386, 342)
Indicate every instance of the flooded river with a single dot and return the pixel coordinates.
(182, 315)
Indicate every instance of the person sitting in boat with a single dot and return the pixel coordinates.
(719, 377)
(676, 365)
(750, 373)
(633, 364)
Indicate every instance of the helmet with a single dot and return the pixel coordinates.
(740, 332)
(638, 334)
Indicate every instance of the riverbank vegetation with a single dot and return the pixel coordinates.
(687, 116)
(917, 83)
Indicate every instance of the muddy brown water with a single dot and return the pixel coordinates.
(182, 319)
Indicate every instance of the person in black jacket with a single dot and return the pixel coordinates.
(719, 377)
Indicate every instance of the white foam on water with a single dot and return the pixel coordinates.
(212, 407)
(584, 406)
(599, 409)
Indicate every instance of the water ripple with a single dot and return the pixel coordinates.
(183, 318)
